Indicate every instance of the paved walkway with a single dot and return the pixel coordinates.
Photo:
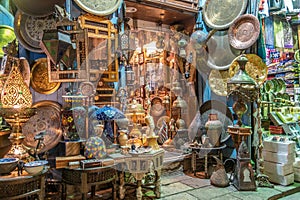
(178, 185)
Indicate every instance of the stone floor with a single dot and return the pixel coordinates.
(177, 185)
(182, 186)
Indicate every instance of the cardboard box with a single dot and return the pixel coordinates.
(278, 168)
(280, 179)
(278, 146)
(278, 157)
(297, 174)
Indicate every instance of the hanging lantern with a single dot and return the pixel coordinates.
(55, 43)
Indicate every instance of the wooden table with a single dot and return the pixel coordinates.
(138, 165)
(89, 178)
(15, 187)
(206, 153)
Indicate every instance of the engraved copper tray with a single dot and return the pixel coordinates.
(218, 81)
(255, 67)
(99, 7)
(29, 29)
(244, 31)
(40, 79)
(47, 119)
(37, 7)
(220, 14)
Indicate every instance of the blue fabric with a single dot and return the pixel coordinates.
(5, 17)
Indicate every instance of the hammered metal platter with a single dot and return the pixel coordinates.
(99, 7)
(47, 119)
(37, 7)
(255, 67)
(244, 31)
(29, 29)
(220, 14)
(40, 79)
(220, 53)
(218, 81)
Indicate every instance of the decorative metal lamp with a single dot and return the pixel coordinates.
(244, 89)
(135, 111)
(16, 108)
(55, 43)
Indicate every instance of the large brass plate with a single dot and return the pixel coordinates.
(99, 7)
(37, 7)
(244, 31)
(47, 119)
(40, 79)
(29, 29)
(218, 81)
(220, 14)
(220, 53)
(255, 67)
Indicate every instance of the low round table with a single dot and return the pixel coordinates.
(15, 187)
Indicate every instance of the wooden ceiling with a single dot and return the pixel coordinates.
(155, 12)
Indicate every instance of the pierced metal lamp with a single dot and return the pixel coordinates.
(16, 109)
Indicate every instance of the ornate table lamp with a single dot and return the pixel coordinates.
(135, 111)
(16, 108)
(243, 89)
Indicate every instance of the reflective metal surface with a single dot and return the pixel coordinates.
(220, 14)
(37, 7)
(255, 67)
(218, 81)
(244, 31)
(221, 54)
(99, 7)
(29, 29)
(40, 79)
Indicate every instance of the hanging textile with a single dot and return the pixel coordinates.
(269, 31)
(278, 32)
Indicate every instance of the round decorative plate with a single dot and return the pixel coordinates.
(218, 81)
(286, 96)
(220, 14)
(47, 118)
(255, 67)
(87, 88)
(297, 55)
(276, 85)
(244, 31)
(30, 29)
(38, 7)
(268, 86)
(39, 78)
(220, 53)
(99, 7)
(281, 85)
